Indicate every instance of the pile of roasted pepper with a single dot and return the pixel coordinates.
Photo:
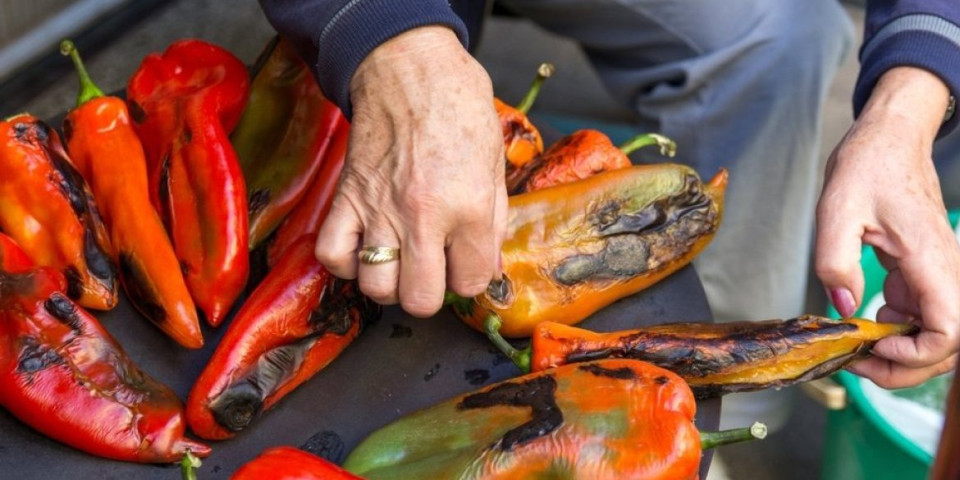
(169, 193)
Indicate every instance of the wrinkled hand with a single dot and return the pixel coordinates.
(881, 189)
(424, 172)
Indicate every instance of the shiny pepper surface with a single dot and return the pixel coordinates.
(575, 248)
(47, 208)
(288, 463)
(65, 376)
(184, 103)
(107, 152)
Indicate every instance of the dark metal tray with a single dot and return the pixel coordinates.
(398, 365)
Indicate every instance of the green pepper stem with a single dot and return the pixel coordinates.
(520, 358)
(88, 89)
(543, 72)
(668, 148)
(188, 466)
(757, 431)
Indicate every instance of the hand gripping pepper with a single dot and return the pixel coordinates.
(293, 325)
(585, 153)
(65, 376)
(609, 419)
(575, 248)
(289, 463)
(713, 358)
(281, 139)
(183, 104)
(307, 216)
(107, 152)
(47, 207)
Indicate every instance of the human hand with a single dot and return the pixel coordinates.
(424, 172)
(880, 188)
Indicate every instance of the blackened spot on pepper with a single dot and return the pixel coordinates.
(187, 134)
(20, 130)
(622, 256)
(401, 331)
(499, 290)
(259, 199)
(661, 380)
(64, 310)
(339, 305)
(538, 393)
(184, 268)
(70, 183)
(576, 268)
(136, 112)
(74, 282)
(477, 376)
(67, 129)
(140, 289)
(432, 372)
(622, 373)
(659, 214)
(42, 131)
(237, 406)
(35, 357)
(99, 264)
(326, 444)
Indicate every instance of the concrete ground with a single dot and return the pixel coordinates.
(510, 49)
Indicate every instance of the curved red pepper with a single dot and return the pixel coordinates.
(184, 103)
(307, 217)
(12, 258)
(289, 463)
(296, 322)
(47, 207)
(64, 375)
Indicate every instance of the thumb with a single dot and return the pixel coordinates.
(837, 258)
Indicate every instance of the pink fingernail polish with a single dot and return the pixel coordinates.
(843, 301)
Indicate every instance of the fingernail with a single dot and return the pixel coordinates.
(843, 301)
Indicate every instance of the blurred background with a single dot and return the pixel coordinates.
(114, 35)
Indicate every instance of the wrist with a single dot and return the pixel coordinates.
(909, 98)
(407, 51)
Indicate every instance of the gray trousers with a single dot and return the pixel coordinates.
(738, 84)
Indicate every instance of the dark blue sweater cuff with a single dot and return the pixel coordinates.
(922, 41)
(362, 25)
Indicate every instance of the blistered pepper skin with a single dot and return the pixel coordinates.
(47, 207)
(289, 463)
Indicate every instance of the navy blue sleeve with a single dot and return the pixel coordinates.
(336, 35)
(917, 33)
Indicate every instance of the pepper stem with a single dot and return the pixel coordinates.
(88, 89)
(543, 72)
(757, 431)
(668, 148)
(520, 358)
(188, 465)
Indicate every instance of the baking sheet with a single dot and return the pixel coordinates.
(398, 365)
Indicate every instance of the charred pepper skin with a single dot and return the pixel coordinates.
(297, 321)
(720, 358)
(62, 374)
(610, 419)
(282, 137)
(573, 249)
(106, 151)
(184, 103)
(289, 463)
(47, 207)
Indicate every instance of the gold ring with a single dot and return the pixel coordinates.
(372, 255)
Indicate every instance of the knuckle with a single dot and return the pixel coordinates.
(377, 291)
(468, 288)
(421, 306)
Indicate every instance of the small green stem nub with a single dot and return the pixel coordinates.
(188, 465)
(757, 431)
(520, 358)
(88, 89)
(668, 148)
(543, 73)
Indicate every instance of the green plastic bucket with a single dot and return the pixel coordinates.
(860, 443)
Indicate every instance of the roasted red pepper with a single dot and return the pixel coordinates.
(46, 206)
(521, 140)
(282, 137)
(184, 103)
(713, 358)
(12, 258)
(609, 419)
(308, 216)
(295, 322)
(64, 375)
(107, 152)
(585, 153)
(289, 463)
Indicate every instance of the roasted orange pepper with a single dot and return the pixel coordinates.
(105, 149)
(575, 248)
(713, 358)
(521, 140)
(609, 419)
(47, 207)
